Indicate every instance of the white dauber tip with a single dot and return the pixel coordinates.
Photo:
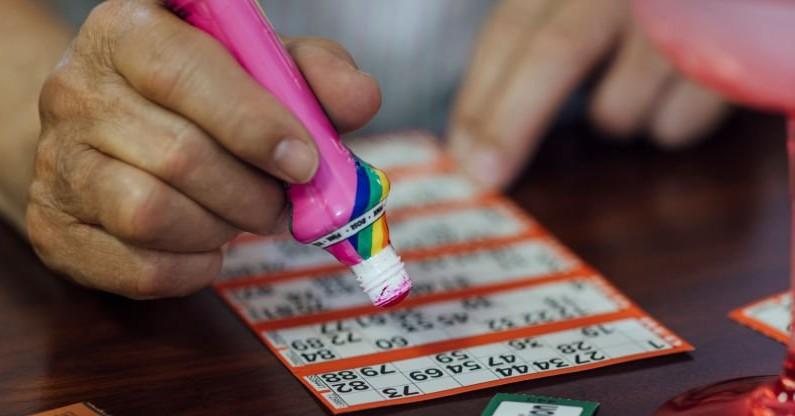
(383, 278)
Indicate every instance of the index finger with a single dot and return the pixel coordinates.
(554, 61)
(510, 23)
(546, 69)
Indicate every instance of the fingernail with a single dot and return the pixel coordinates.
(480, 162)
(340, 57)
(487, 166)
(296, 160)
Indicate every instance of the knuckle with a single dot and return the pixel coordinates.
(184, 152)
(263, 209)
(167, 275)
(57, 95)
(55, 87)
(142, 219)
(68, 94)
(171, 70)
(76, 174)
(44, 163)
(154, 279)
(165, 81)
(251, 135)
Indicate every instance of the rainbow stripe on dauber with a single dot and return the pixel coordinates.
(372, 187)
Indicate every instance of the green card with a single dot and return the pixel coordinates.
(530, 405)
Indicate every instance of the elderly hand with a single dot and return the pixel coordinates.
(157, 148)
(531, 54)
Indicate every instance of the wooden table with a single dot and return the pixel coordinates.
(688, 235)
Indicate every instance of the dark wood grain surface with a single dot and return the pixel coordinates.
(687, 235)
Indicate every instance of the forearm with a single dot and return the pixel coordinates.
(31, 42)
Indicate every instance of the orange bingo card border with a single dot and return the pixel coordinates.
(644, 319)
(757, 325)
(530, 229)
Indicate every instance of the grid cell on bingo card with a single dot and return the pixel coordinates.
(581, 352)
(604, 335)
(354, 397)
(400, 391)
(433, 385)
(488, 349)
(501, 361)
(623, 350)
(382, 375)
(469, 376)
(335, 400)
(428, 337)
(463, 366)
(354, 345)
(430, 375)
(636, 331)
(538, 354)
(419, 363)
(343, 381)
(308, 357)
(386, 340)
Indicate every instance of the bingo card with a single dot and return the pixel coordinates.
(770, 316)
(496, 298)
